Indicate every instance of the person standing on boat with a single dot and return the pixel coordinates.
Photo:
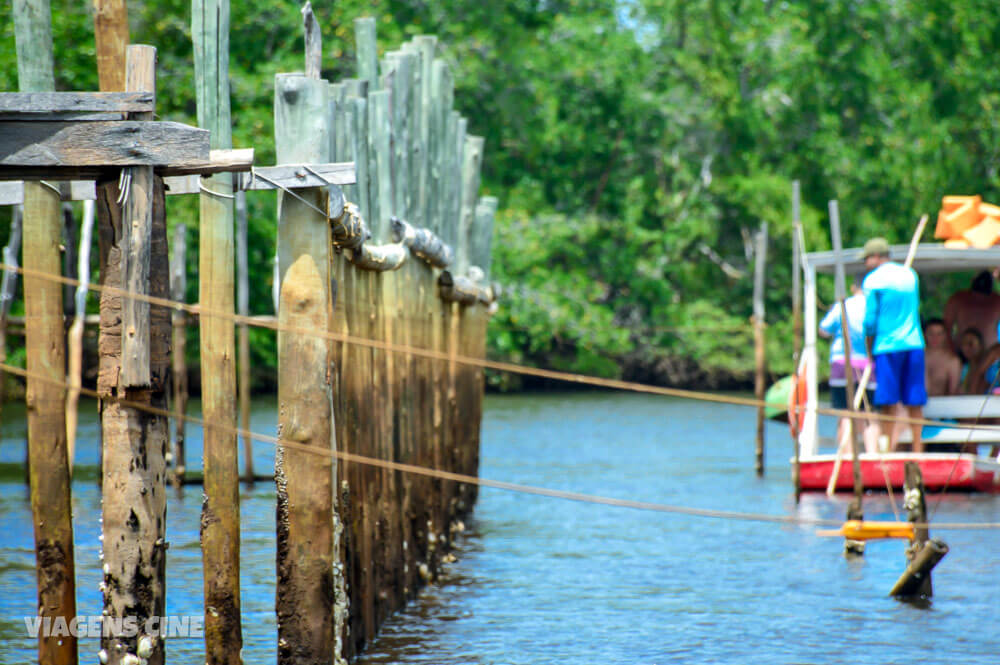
(893, 337)
(830, 327)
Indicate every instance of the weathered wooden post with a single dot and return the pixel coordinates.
(243, 309)
(133, 367)
(923, 553)
(760, 355)
(75, 345)
(305, 553)
(49, 477)
(179, 371)
(8, 289)
(220, 521)
(850, 432)
(796, 318)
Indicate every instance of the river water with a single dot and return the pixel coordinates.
(542, 580)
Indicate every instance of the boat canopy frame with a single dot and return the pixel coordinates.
(930, 258)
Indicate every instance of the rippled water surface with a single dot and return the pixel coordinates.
(543, 580)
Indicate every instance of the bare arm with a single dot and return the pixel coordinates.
(954, 377)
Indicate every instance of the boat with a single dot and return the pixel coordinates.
(972, 470)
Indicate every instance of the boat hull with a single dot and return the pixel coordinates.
(951, 471)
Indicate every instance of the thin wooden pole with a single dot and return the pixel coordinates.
(134, 441)
(841, 294)
(243, 308)
(8, 289)
(220, 523)
(797, 250)
(75, 369)
(760, 355)
(49, 477)
(305, 552)
(179, 373)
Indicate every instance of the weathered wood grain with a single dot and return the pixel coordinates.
(114, 143)
(179, 373)
(48, 103)
(313, 42)
(111, 37)
(220, 521)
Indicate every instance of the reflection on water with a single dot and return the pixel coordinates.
(550, 581)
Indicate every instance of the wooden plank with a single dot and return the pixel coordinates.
(137, 220)
(219, 161)
(305, 552)
(297, 176)
(48, 103)
(220, 533)
(114, 143)
(48, 471)
(12, 192)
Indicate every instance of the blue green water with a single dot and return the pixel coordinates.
(543, 580)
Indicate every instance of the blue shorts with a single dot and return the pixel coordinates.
(900, 378)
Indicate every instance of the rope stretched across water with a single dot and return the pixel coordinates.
(476, 480)
(500, 366)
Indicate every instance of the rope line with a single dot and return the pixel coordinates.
(496, 365)
(476, 480)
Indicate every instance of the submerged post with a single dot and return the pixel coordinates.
(220, 516)
(760, 355)
(923, 553)
(8, 288)
(305, 552)
(44, 340)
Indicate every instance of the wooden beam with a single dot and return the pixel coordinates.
(48, 103)
(297, 176)
(220, 532)
(12, 192)
(52, 145)
(219, 161)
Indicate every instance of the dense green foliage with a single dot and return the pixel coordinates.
(635, 146)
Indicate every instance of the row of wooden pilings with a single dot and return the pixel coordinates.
(370, 275)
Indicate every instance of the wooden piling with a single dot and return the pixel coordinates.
(760, 355)
(243, 309)
(923, 553)
(75, 344)
(841, 295)
(48, 473)
(306, 556)
(134, 441)
(179, 372)
(220, 520)
(8, 289)
(796, 317)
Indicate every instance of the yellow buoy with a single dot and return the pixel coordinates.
(863, 530)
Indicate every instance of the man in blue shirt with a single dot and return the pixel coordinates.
(893, 336)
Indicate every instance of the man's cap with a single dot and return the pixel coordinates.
(875, 247)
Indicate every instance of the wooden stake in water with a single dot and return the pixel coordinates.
(178, 319)
(243, 309)
(796, 317)
(8, 287)
(923, 553)
(75, 346)
(305, 551)
(49, 477)
(760, 355)
(220, 521)
(134, 441)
